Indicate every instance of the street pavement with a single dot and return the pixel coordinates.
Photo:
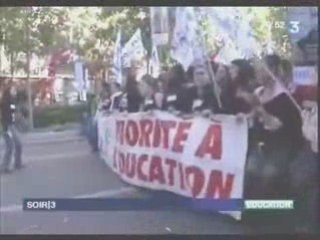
(61, 165)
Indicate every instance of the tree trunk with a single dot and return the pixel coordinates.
(12, 65)
(1, 53)
(28, 52)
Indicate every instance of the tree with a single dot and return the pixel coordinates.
(44, 25)
(279, 31)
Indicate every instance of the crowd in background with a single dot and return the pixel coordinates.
(283, 144)
(245, 89)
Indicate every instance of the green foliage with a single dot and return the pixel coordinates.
(92, 31)
(268, 25)
(280, 34)
(57, 115)
(27, 29)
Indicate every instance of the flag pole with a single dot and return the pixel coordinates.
(274, 78)
(216, 87)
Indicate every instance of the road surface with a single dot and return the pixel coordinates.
(61, 165)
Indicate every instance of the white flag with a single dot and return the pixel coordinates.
(133, 49)
(245, 40)
(224, 19)
(236, 32)
(184, 36)
(154, 64)
(228, 53)
(117, 61)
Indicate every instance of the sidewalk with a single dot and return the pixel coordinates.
(55, 134)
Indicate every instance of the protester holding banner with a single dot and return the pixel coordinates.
(234, 94)
(222, 75)
(133, 97)
(161, 82)
(116, 95)
(277, 131)
(256, 91)
(148, 88)
(174, 92)
(200, 96)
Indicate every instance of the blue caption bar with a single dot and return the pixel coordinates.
(149, 204)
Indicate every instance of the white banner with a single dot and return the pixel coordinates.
(193, 158)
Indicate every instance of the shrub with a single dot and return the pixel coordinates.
(57, 115)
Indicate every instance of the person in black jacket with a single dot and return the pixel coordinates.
(174, 96)
(132, 98)
(11, 136)
(277, 132)
(200, 95)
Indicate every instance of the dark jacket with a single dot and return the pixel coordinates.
(133, 97)
(149, 104)
(290, 135)
(173, 100)
(231, 104)
(188, 100)
(193, 101)
(128, 102)
(8, 107)
(134, 101)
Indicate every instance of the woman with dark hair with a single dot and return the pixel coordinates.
(189, 74)
(223, 79)
(240, 82)
(176, 78)
(276, 133)
(132, 99)
(148, 88)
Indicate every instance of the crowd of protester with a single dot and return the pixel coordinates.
(282, 155)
